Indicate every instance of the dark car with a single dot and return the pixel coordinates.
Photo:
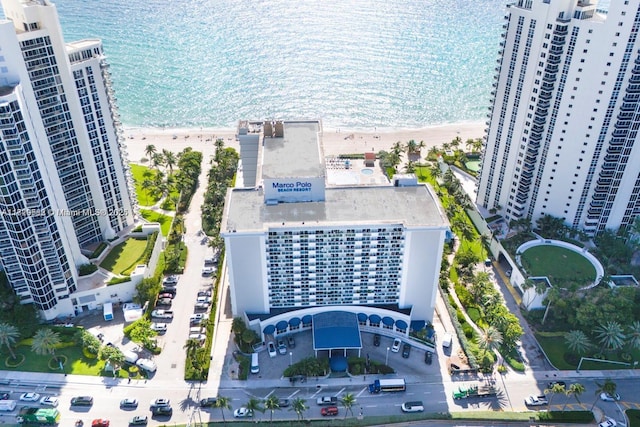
(82, 401)
(162, 410)
(428, 357)
(291, 342)
(283, 403)
(376, 340)
(208, 402)
(4, 395)
(129, 403)
(406, 350)
(552, 383)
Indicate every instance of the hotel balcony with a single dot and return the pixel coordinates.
(633, 88)
(626, 106)
(635, 78)
(609, 166)
(599, 196)
(614, 149)
(611, 158)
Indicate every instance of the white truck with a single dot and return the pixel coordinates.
(162, 314)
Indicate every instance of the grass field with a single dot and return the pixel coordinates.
(123, 258)
(558, 264)
(164, 220)
(634, 417)
(144, 197)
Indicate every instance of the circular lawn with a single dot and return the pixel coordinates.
(558, 264)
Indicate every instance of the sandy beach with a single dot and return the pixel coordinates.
(335, 141)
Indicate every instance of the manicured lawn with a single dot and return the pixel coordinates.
(556, 348)
(634, 417)
(164, 220)
(144, 198)
(558, 264)
(76, 363)
(123, 258)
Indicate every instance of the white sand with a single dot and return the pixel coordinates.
(335, 141)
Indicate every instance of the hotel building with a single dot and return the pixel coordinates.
(564, 117)
(297, 247)
(63, 181)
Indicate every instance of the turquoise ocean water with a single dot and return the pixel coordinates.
(358, 64)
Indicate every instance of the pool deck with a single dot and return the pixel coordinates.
(339, 175)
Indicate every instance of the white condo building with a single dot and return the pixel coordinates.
(63, 181)
(564, 118)
(296, 247)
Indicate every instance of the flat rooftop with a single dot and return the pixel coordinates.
(411, 206)
(297, 154)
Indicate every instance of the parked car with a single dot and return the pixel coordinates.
(291, 342)
(282, 349)
(164, 302)
(4, 395)
(606, 397)
(160, 402)
(198, 337)
(82, 401)
(196, 317)
(272, 349)
(170, 280)
(406, 350)
(171, 291)
(609, 422)
(207, 271)
(329, 411)
(396, 345)
(428, 357)
(327, 400)
(415, 406)
(162, 410)
(376, 340)
(204, 293)
(208, 402)
(129, 403)
(49, 401)
(166, 295)
(100, 422)
(284, 403)
(139, 420)
(159, 327)
(242, 412)
(29, 397)
(201, 306)
(206, 300)
(533, 400)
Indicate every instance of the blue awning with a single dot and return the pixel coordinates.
(362, 317)
(269, 329)
(401, 324)
(374, 318)
(307, 319)
(282, 325)
(417, 325)
(387, 320)
(294, 321)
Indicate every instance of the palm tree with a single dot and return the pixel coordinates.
(633, 335)
(490, 339)
(412, 147)
(577, 341)
(556, 388)
(607, 386)
(150, 150)
(271, 404)
(45, 342)
(191, 346)
(169, 159)
(254, 406)
(485, 241)
(8, 336)
(223, 403)
(435, 170)
(575, 390)
(298, 405)
(611, 335)
(348, 400)
(552, 297)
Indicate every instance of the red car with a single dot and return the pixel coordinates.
(329, 411)
(100, 423)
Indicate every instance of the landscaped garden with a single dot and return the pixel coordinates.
(558, 264)
(153, 216)
(124, 257)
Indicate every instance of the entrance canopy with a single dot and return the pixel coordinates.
(336, 330)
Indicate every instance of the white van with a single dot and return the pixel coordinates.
(130, 356)
(446, 340)
(195, 330)
(255, 367)
(7, 405)
(147, 364)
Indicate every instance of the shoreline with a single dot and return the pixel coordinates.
(334, 140)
